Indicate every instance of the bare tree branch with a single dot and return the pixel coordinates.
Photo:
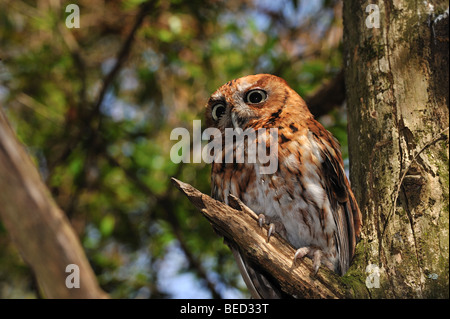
(123, 54)
(329, 96)
(276, 257)
(37, 225)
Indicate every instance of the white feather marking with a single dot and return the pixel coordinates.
(291, 162)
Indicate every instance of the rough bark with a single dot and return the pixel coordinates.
(397, 96)
(37, 226)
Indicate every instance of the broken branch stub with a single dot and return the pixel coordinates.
(239, 225)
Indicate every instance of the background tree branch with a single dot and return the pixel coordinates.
(122, 55)
(38, 227)
(328, 96)
(240, 226)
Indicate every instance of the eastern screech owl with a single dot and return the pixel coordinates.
(308, 199)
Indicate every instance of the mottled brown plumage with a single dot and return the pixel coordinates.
(308, 199)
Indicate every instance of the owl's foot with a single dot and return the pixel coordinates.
(312, 252)
(275, 226)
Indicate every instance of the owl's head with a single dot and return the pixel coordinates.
(252, 99)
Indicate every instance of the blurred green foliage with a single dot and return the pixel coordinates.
(106, 159)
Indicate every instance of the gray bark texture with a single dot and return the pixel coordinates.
(397, 86)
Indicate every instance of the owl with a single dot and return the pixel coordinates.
(307, 199)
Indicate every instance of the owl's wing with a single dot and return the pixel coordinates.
(346, 214)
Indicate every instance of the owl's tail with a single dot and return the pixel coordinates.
(259, 283)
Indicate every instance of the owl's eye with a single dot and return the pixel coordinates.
(255, 96)
(217, 111)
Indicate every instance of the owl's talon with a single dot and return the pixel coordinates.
(271, 230)
(301, 252)
(314, 253)
(275, 226)
(261, 220)
(317, 260)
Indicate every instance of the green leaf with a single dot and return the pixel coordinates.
(107, 225)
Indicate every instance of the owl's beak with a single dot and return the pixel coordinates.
(234, 120)
(240, 114)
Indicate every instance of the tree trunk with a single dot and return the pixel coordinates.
(397, 93)
(39, 228)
